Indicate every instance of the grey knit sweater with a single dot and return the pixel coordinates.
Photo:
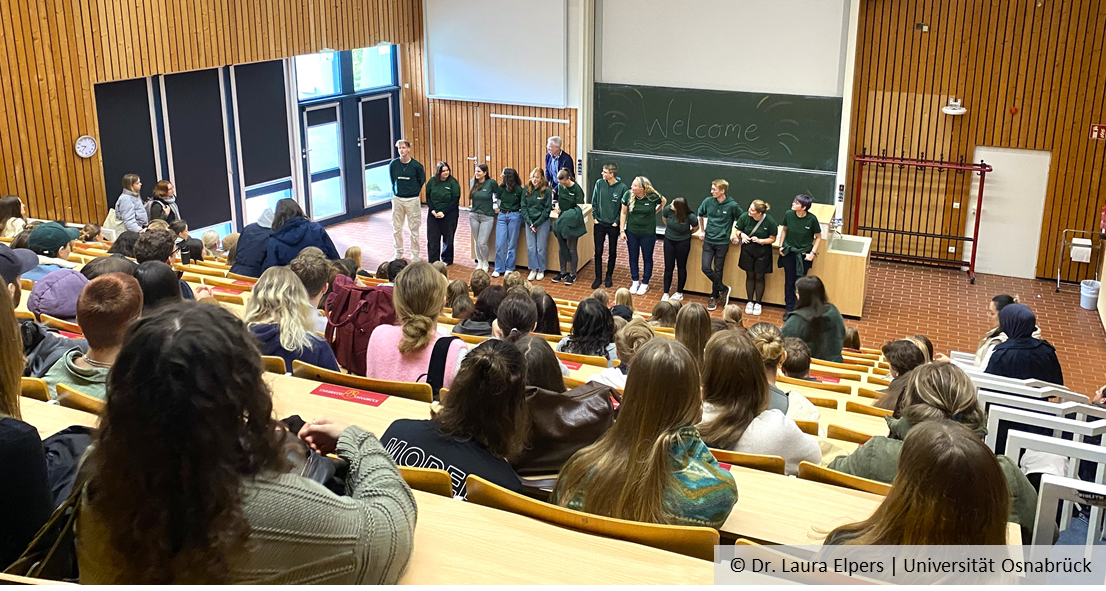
(302, 533)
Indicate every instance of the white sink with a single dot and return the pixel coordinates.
(849, 245)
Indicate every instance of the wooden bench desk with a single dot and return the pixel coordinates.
(292, 396)
(462, 543)
(777, 509)
(50, 418)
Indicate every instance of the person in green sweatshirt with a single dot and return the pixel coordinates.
(407, 177)
(800, 233)
(443, 198)
(537, 203)
(756, 230)
(606, 208)
(717, 216)
(639, 227)
(509, 224)
(569, 226)
(482, 192)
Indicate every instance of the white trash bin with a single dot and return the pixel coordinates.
(1088, 294)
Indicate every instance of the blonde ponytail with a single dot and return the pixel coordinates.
(418, 297)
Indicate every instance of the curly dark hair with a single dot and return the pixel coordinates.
(154, 245)
(592, 329)
(187, 418)
(124, 244)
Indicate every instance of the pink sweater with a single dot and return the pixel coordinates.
(385, 362)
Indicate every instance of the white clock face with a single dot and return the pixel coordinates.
(85, 146)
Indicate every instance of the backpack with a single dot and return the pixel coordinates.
(353, 311)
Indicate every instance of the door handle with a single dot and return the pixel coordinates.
(470, 158)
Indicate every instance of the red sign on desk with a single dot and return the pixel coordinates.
(241, 282)
(226, 290)
(1098, 131)
(724, 465)
(350, 394)
(572, 365)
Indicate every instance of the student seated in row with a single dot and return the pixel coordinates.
(53, 243)
(160, 246)
(773, 355)
(484, 311)
(693, 329)
(592, 332)
(189, 482)
(282, 320)
(316, 274)
(106, 308)
(403, 353)
(652, 466)
(482, 423)
(938, 391)
(796, 361)
(627, 343)
(736, 399)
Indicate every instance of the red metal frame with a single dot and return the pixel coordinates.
(982, 168)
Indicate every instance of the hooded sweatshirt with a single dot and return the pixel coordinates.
(56, 294)
(253, 246)
(92, 381)
(826, 346)
(295, 235)
(318, 353)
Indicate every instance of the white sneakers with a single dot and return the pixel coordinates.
(664, 298)
(749, 308)
(677, 296)
(756, 310)
(540, 276)
(642, 289)
(752, 309)
(532, 275)
(495, 274)
(634, 286)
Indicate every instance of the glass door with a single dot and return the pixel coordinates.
(377, 143)
(323, 154)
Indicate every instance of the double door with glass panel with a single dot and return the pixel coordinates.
(350, 134)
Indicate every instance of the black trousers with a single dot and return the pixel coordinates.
(610, 233)
(568, 254)
(439, 236)
(714, 261)
(790, 275)
(675, 255)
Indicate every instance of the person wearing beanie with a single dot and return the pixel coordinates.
(56, 295)
(52, 242)
(252, 250)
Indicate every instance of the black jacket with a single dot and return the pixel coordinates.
(1026, 358)
(42, 347)
(252, 251)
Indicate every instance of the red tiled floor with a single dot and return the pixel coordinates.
(901, 299)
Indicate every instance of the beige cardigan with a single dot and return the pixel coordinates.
(301, 533)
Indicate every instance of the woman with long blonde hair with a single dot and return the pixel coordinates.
(537, 203)
(639, 229)
(651, 466)
(402, 353)
(693, 329)
(736, 415)
(281, 317)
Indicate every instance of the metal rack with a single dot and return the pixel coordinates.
(1066, 243)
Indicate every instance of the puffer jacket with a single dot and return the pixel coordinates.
(295, 235)
(131, 211)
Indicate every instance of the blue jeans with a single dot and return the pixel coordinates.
(507, 227)
(645, 243)
(536, 243)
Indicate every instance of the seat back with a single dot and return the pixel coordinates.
(429, 480)
(1059, 425)
(879, 381)
(823, 402)
(808, 427)
(201, 270)
(238, 277)
(697, 542)
(819, 372)
(868, 393)
(584, 359)
(865, 409)
(60, 324)
(808, 471)
(217, 281)
(815, 363)
(71, 398)
(34, 388)
(229, 298)
(846, 434)
(839, 388)
(471, 338)
(274, 364)
(773, 464)
(412, 390)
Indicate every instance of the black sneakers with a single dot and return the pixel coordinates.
(570, 279)
(598, 281)
(712, 304)
(608, 282)
(559, 277)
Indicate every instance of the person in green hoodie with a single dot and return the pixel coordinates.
(606, 208)
(800, 233)
(569, 226)
(443, 199)
(816, 321)
(408, 177)
(537, 203)
(107, 306)
(509, 223)
(938, 391)
(717, 216)
(482, 191)
(639, 227)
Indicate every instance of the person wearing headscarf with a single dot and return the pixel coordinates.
(1022, 356)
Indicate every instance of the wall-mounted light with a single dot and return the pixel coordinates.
(955, 107)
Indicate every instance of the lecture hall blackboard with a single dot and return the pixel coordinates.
(768, 146)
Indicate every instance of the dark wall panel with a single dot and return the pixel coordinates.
(376, 128)
(263, 122)
(126, 138)
(198, 141)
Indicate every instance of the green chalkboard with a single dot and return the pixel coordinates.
(752, 127)
(691, 180)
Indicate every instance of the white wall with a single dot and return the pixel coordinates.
(778, 46)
